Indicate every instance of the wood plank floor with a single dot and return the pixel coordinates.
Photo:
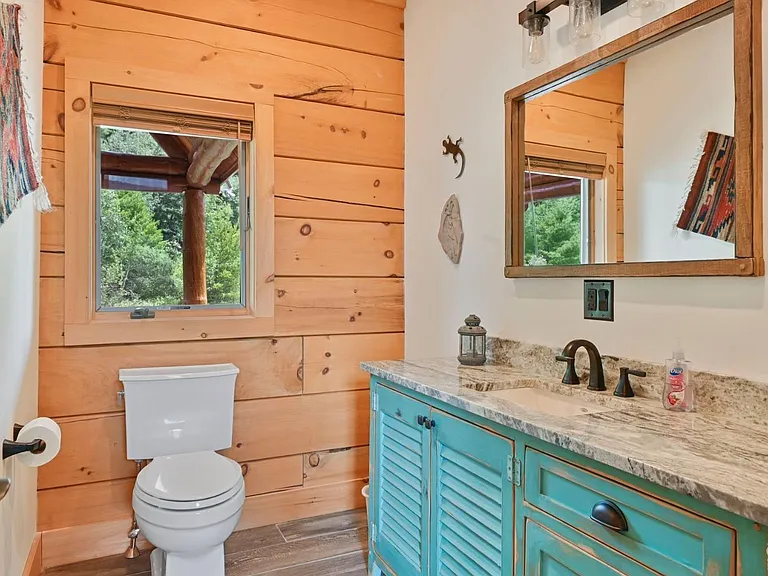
(322, 546)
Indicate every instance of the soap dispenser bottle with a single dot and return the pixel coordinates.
(678, 387)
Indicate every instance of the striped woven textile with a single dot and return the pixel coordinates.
(18, 172)
(709, 208)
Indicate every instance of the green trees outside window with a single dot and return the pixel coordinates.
(141, 237)
(553, 231)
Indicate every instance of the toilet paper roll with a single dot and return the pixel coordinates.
(43, 429)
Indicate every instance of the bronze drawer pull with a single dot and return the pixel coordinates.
(609, 515)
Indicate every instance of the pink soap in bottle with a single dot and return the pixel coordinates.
(678, 386)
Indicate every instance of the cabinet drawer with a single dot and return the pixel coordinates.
(665, 538)
(557, 550)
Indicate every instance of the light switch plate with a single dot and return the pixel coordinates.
(598, 300)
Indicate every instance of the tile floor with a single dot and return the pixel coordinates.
(323, 546)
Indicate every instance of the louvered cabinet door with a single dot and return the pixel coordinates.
(472, 500)
(401, 484)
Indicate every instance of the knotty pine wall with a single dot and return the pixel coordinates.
(301, 416)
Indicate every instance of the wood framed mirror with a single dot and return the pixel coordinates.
(644, 156)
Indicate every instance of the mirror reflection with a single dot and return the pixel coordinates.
(635, 163)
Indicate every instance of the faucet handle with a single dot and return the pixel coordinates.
(624, 389)
(570, 377)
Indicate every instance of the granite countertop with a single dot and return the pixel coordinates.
(717, 461)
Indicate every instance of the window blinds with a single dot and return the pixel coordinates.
(564, 167)
(184, 115)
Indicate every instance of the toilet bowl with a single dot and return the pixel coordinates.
(187, 506)
(189, 499)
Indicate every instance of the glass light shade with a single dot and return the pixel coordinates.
(536, 41)
(583, 21)
(645, 8)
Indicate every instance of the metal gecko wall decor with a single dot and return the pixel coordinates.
(454, 149)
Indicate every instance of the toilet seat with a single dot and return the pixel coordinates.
(187, 505)
(189, 519)
(189, 481)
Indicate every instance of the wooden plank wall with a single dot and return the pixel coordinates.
(587, 114)
(301, 415)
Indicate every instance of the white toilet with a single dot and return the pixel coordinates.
(189, 499)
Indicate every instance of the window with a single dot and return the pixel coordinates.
(563, 212)
(169, 207)
(171, 224)
(553, 219)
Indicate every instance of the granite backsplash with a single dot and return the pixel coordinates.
(722, 396)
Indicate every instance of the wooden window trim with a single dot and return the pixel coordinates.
(749, 261)
(82, 324)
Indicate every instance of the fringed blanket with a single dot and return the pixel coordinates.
(709, 207)
(19, 173)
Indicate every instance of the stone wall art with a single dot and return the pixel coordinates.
(451, 233)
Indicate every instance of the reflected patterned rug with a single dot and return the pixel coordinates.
(709, 207)
(19, 173)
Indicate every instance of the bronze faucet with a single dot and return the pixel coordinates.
(596, 377)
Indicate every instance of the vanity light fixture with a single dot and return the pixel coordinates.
(536, 41)
(583, 24)
(583, 21)
(535, 23)
(645, 8)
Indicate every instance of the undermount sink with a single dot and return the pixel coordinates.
(549, 402)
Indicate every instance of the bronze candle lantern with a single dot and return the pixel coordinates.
(472, 342)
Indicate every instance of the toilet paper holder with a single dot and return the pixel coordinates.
(12, 447)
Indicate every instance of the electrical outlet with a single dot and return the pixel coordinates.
(598, 300)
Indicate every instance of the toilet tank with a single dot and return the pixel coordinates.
(178, 410)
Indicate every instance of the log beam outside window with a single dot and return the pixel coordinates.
(140, 165)
(193, 250)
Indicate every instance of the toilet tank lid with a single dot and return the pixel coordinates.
(177, 372)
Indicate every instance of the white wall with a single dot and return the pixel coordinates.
(18, 325)
(461, 56)
(673, 94)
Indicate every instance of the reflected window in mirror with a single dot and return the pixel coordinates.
(559, 220)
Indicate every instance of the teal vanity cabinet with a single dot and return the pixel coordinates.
(453, 494)
(442, 492)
